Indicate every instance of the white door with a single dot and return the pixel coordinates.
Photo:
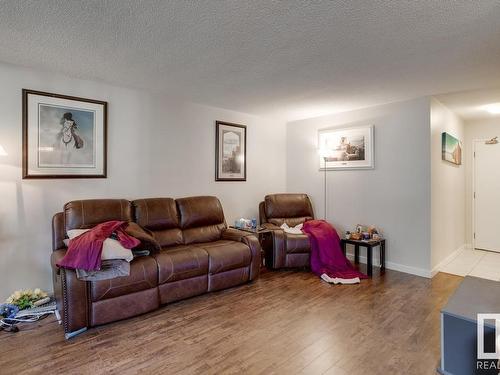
(487, 196)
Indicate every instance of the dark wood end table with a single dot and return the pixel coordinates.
(369, 252)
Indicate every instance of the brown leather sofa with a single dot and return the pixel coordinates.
(289, 250)
(199, 254)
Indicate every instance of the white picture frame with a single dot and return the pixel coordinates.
(346, 148)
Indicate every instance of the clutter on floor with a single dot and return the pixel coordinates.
(339, 280)
(25, 306)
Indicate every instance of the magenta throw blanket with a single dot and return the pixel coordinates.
(84, 251)
(326, 253)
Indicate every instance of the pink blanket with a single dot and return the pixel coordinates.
(326, 253)
(84, 251)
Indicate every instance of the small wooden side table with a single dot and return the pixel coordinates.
(266, 242)
(369, 253)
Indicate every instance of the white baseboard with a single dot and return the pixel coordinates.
(394, 266)
(412, 270)
(448, 259)
(408, 269)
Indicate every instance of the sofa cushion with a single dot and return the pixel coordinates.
(203, 234)
(143, 275)
(85, 214)
(156, 213)
(160, 216)
(290, 221)
(226, 255)
(297, 243)
(181, 262)
(199, 212)
(168, 237)
(201, 219)
(287, 206)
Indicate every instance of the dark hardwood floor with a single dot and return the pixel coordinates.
(284, 323)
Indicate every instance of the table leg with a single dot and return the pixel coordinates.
(382, 256)
(265, 240)
(356, 254)
(369, 260)
(344, 248)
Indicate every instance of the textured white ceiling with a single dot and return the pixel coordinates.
(290, 58)
(469, 105)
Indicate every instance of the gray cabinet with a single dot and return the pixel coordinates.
(459, 328)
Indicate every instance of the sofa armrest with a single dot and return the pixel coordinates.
(71, 296)
(270, 226)
(233, 234)
(252, 242)
(279, 256)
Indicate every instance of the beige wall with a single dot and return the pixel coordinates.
(475, 130)
(156, 147)
(447, 186)
(394, 196)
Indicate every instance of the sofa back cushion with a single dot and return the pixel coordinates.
(85, 214)
(201, 219)
(291, 209)
(160, 216)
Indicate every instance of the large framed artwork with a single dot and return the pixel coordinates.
(347, 148)
(63, 136)
(451, 149)
(230, 151)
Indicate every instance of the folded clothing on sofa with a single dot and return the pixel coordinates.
(125, 242)
(84, 251)
(110, 269)
(107, 241)
(111, 247)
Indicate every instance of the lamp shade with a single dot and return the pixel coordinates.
(2, 151)
(325, 152)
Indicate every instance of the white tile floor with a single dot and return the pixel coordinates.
(478, 263)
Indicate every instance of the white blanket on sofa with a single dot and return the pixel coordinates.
(293, 230)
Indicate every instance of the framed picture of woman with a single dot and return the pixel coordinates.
(230, 151)
(63, 136)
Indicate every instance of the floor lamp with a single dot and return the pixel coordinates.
(325, 154)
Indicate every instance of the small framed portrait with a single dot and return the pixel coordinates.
(230, 152)
(63, 136)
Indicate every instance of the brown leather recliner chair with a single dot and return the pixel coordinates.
(289, 250)
(195, 253)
